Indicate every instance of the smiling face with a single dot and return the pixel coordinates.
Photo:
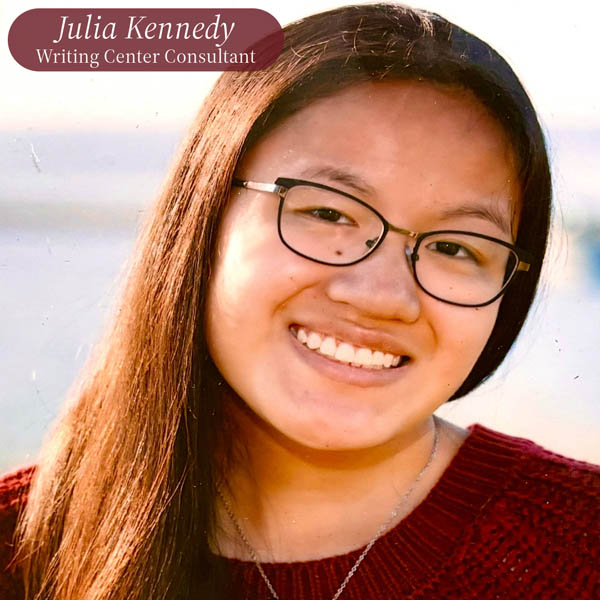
(426, 159)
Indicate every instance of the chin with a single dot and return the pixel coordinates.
(336, 438)
(338, 445)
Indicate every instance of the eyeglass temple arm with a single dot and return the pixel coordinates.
(260, 187)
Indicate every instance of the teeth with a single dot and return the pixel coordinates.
(345, 352)
(378, 359)
(363, 357)
(328, 346)
(313, 341)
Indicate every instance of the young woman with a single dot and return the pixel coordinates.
(350, 238)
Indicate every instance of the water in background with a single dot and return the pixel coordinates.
(70, 205)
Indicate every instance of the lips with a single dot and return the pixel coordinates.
(344, 352)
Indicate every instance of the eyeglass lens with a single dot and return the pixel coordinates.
(334, 229)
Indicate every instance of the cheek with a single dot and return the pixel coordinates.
(253, 279)
(462, 334)
(243, 259)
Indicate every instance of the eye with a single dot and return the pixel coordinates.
(452, 249)
(329, 214)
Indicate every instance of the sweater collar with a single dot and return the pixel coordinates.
(425, 538)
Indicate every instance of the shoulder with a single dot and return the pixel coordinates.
(559, 491)
(14, 488)
(540, 470)
(536, 476)
(542, 516)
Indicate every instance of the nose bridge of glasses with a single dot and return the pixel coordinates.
(402, 231)
(409, 244)
(412, 235)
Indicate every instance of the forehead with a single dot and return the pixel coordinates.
(394, 112)
(430, 141)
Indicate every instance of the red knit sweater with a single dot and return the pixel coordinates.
(506, 520)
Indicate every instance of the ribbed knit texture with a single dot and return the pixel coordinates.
(506, 520)
(13, 495)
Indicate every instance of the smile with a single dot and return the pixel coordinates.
(346, 353)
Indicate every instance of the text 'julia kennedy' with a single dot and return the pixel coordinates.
(141, 28)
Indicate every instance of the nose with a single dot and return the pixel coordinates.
(381, 286)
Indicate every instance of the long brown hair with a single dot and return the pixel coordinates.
(122, 505)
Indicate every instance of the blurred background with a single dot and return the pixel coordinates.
(82, 156)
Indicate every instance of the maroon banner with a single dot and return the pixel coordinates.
(137, 39)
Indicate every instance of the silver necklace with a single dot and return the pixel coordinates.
(382, 529)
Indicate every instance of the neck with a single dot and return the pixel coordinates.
(298, 503)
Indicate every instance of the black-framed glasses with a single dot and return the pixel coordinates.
(331, 227)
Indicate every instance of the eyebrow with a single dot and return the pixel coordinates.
(487, 212)
(337, 175)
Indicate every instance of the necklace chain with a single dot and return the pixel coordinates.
(382, 529)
